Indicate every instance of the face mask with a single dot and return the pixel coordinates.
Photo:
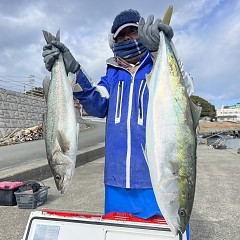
(128, 49)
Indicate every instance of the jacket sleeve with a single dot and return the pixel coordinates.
(94, 99)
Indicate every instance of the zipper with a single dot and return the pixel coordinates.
(118, 111)
(129, 148)
(140, 102)
(128, 157)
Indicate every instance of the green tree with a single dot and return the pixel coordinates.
(208, 110)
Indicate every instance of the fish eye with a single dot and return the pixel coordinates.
(58, 177)
(182, 212)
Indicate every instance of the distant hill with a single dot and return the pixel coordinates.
(208, 110)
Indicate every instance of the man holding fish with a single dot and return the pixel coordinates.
(122, 97)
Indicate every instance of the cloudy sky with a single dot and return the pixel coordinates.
(207, 38)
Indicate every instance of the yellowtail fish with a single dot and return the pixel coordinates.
(171, 137)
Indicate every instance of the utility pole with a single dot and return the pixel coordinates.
(31, 82)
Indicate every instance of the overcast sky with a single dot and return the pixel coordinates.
(206, 36)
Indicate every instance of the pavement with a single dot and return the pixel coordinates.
(19, 154)
(39, 169)
(85, 193)
(216, 212)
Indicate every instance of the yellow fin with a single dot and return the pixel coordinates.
(168, 15)
(196, 113)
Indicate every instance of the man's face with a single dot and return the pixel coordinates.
(127, 33)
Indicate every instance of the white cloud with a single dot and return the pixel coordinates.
(207, 34)
(93, 53)
(210, 53)
(193, 11)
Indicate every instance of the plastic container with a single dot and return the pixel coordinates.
(7, 189)
(32, 200)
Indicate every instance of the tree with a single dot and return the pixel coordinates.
(208, 110)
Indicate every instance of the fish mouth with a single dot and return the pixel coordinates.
(62, 191)
(64, 185)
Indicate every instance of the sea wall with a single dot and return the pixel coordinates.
(18, 110)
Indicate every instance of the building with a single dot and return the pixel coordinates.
(229, 113)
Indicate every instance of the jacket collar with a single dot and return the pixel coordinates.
(144, 60)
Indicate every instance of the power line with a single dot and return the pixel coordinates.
(8, 77)
(21, 87)
(15, 89)
(13, 81)
(16, 76)
(13, 76)
(20, 83)
(17, 84)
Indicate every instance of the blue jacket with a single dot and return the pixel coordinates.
(122, 98)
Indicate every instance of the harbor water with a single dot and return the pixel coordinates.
(233, 143)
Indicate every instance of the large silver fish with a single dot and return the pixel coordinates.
(60, 124)
(171, 137)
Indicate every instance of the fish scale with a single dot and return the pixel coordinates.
(171, 137)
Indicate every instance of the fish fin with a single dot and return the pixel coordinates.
(58, 35)
(72, 79)
(175, 166)
(148, 78)
(63, 142)
(145, 153)
(49, 37)
(46, 83)
(78, 127)
(168, 15)
(196, 112)
(44, 116)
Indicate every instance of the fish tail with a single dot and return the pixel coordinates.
(168, 15)
(49, 37)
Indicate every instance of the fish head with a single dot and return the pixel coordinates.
(179, 223)
(178, 216)
(184, 217)
(63, 171)
(186, 200)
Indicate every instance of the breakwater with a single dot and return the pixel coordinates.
(207, 128)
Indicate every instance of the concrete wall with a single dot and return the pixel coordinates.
(18, 110)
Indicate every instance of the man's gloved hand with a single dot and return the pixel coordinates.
(149, 32)
(49, 56)
(51, 53)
